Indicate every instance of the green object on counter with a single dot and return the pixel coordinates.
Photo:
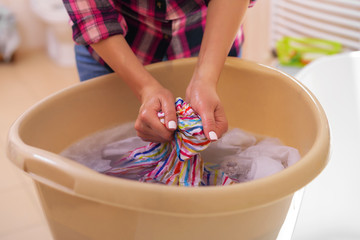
(300, 51)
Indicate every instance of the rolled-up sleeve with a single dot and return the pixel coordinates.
(94, 20)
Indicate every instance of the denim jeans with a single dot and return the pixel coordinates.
(87, 66)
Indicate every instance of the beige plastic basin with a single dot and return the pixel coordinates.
(80, 203)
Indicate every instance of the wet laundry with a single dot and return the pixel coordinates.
(189, 160)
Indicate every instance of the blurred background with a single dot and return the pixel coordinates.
(42, 26)
(37, 59)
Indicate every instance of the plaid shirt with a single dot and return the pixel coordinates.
(154, 29)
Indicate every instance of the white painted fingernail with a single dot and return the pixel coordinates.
(213, 135)
(172, 125)
(162, 120)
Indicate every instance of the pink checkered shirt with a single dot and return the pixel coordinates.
(154, 29)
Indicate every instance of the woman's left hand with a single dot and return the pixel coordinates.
(203, 98)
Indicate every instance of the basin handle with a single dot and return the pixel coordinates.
(43, 166)
(50, 172)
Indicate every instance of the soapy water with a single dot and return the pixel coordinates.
(240, 155)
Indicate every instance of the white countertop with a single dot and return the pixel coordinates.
(330, 207)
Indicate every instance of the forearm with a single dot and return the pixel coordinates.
(223, 21)
(118, 55)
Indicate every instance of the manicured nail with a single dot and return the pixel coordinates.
(213, 136)
(172, 125)
(162, 120)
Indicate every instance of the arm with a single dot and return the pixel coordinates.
(154, 97)
(97, 23)
(223, 22)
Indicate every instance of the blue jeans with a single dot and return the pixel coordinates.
(87, 66)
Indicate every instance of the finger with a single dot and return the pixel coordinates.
(151, 138)
(221, 121)
(147, 134)
(209, 126)
(149, 124)
(168, 108)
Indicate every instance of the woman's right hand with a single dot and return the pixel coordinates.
(154, 99)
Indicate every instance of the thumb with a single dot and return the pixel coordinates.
(208, 121)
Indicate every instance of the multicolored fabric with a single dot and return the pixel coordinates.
(154, 29)
(213, 175)
(174, 163)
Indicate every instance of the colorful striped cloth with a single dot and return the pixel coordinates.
(174, 163)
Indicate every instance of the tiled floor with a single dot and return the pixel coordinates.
(24, 82)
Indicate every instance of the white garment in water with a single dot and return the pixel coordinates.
(243, 158)
(239, 154)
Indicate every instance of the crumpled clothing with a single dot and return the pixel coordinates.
(174, 163)
(244, 158)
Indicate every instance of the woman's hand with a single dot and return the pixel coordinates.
(222, 23)
(154, 97)
(204, 100)
(148, 126)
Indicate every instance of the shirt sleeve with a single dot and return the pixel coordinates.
(251, 2)
(94, 20)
